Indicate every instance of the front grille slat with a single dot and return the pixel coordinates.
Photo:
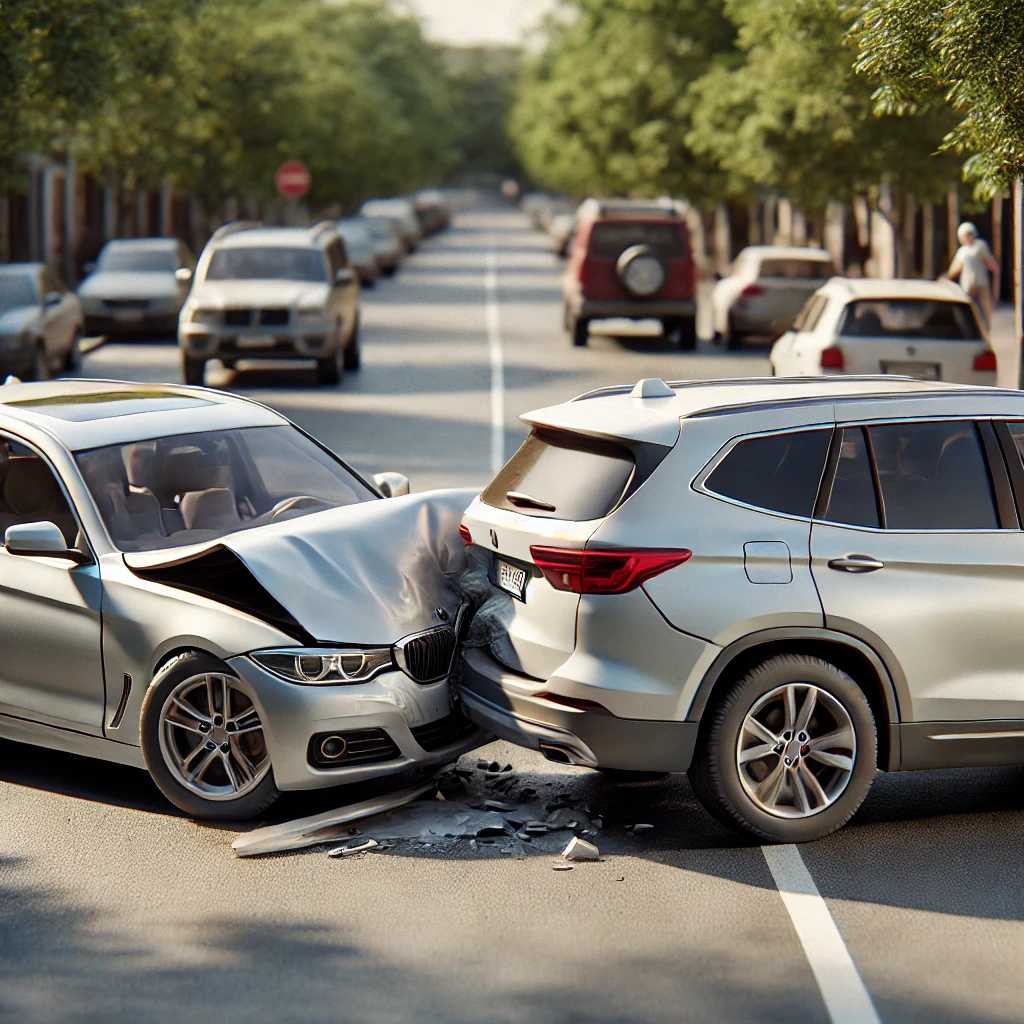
(427, 656)
(442, 733)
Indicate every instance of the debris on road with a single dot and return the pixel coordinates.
(641, 828)
(352, 849)
(580, 849)
(561, 866)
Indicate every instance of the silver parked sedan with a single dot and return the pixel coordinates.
(191, 584)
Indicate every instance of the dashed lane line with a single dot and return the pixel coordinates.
(839, 981)
(493, 319)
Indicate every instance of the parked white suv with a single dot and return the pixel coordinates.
(272, 293)
(924, 329)
(777, 585)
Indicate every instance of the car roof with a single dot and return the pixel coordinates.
(619, 412)
(304, 238)
(895, 288)
(143, 243)
(83, 414)
(20, 268)
(788, 252)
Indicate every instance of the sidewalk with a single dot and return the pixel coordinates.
(1005, 345)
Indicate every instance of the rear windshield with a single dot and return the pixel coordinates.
(267, 264)
(934, 319)
(16, 290)
(611, 238)
(568, 476)
(814, 270)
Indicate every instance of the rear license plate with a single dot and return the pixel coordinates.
(128, 316)
(256, 341)
(511, 579)
(920, 371)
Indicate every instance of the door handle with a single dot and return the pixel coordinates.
(856, 563)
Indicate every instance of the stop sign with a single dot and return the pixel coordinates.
(293, 179)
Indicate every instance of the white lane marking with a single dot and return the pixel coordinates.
(497, 363)
(846, 998)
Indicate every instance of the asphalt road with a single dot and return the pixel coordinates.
(113, 907)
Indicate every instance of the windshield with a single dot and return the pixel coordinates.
(16, 291)
(910, 318)
(267, 264)
(611, 238)
(124, 260)
(813, 270)
(195, 487)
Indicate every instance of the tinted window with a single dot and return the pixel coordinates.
(780, 472)
(582, 479)
(17, 290)
(811, 313)
(1017, 432)
(910, 318)
(267, 264)
(814, 270)
(611, 238)
(30, 493)
(126, 260)
(852, 499)
(933, 477)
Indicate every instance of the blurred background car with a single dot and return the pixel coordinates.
(766, 289)
(561, 231)
(432, 210)
(137, 284)
(631, 259)
(41, 322)
(386, 240)
(402, 214)
(359, 244)
(272, 293)
(923, 329)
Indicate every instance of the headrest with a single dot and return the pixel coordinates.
(212, 509)
(185, 471)
(29, 487)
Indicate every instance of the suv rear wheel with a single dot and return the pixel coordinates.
(686, 329)
(580, 331)
(787, 754)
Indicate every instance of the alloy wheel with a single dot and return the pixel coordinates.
(796, 751)
(211, 738)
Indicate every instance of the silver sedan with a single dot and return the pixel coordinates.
(191, 584)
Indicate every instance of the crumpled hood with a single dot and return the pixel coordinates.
(369, 573)
(129, 285)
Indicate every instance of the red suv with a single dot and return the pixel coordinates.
(631, 260)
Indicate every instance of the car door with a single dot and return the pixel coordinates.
(50, 654)
(59, 320)
(916, 549)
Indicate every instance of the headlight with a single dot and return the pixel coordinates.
(319, 667)
(200, 316)
(310, 314)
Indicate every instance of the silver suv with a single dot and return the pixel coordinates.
(272, 293)
(778, 586)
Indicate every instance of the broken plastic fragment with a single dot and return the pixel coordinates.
(641, 828)
(499, 805)
(348, 851)
(561, 866)
(580, 849)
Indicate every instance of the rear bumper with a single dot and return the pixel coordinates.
(598, 309)
(163, 322)
(501, 701)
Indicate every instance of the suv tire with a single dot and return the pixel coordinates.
(733, 338)
(687, 333)
(179, 672)
(580, 331)
(331, 370)
(352, 353)
(750, 715)
(194, 371)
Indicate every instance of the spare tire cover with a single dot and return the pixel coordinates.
(641, 272)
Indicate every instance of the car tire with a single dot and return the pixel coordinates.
(389, 271)
(194, 371)
(353, 355)
(749, 795)
(73, 360)
(38, 367)
(330, 371)
(580, 332)
(164, 751)
(687, 333)
(733, 338)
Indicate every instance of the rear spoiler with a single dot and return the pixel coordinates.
(617, 420)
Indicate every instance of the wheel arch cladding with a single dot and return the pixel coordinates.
(741, 657)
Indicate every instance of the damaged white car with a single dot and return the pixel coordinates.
(191, 584)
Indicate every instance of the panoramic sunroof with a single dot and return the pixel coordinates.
(108, 404)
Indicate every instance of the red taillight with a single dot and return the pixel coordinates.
(752, 290)
(985, 362)
(604, 572)
(579, 703)
(832, 359)
(467, 537)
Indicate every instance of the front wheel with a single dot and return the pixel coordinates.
(352, 353)
(203, 740)
(194, 371)
(330, 371)
(788, 752)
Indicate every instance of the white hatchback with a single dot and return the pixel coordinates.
(923, 329)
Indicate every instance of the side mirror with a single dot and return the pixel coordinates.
(391, 485)
(52, 298)
(89, 268)
(42, 540)
(183, 274)
(345, 275)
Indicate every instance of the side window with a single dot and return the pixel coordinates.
(811, 313)
(30, 493)
(933, 476)
(1017, 433)
(779, 472)
(852, 500)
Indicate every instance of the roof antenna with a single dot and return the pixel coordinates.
(11, 379)
(652, 387)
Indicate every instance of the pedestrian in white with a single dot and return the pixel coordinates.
(977, 270)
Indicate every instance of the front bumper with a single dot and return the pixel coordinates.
(392, 702)
(309, 340)
(656, 309)
(506, 704)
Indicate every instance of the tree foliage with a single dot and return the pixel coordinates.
(966, 51)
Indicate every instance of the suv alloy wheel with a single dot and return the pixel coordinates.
(788, 752)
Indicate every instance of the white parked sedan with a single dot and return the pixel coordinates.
(923, 329)
(766, 289)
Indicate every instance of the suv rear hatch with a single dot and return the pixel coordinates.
(552, 494)
(666, 237)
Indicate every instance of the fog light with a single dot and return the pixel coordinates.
(333, 748)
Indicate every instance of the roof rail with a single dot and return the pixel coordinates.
(323, 225)
(236, 225)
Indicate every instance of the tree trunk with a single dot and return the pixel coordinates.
(952, 223)
(928, 241)
(1018, 271)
